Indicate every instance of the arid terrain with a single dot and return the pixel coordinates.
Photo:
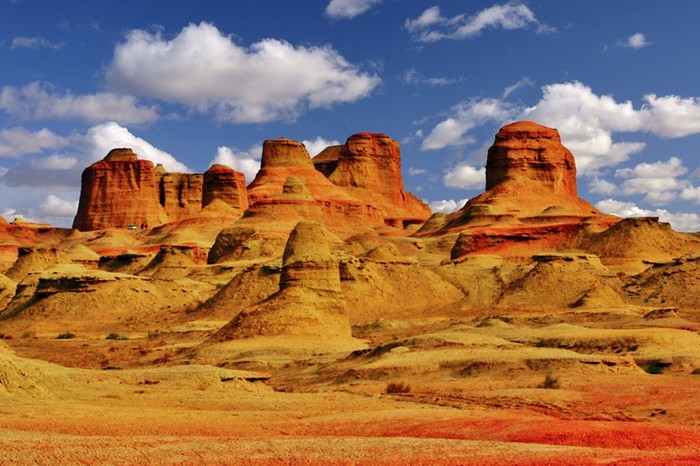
(323, 315)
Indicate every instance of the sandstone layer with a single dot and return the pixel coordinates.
(368, 166)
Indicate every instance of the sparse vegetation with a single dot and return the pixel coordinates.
(152, 334)
(654, 368)
(116, 336)
(550, 381)
(397, 387)
(65, 336)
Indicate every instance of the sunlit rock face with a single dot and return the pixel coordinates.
(118, 191)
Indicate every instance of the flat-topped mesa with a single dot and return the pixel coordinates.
(119, 191)
(226, 184)
(368, 166)
(288, 189)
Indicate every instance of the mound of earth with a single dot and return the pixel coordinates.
(35, 260)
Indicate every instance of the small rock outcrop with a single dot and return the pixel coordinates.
(308, 303)
(118, 191)
(368, 166)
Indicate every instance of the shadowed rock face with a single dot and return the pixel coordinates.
(368, 166)
(118, 191)
(180, 193)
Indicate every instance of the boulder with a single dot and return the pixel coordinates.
(118, 191)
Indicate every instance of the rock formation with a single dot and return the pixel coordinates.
(226, 184)
(180, 193)
(531, 200)
(288, 189)
(368, 166)
(308, 302)
(122, 190)
(119, 191)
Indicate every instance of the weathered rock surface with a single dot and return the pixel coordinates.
(308, 302)
(180, 193)
(225, 184)
(34, 260)
(368, 166)
(119, 191)
(288, 189)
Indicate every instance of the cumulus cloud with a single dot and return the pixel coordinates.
(601, 186)
(246, 162)
(205, 70)
(318, 144)
(671, 116)
(691, 193)
(16, 142)
(35, 102)
(680, 221)
(465, 177)
(348, 9)
(34, 43)
(431, 26)
(658, 181)
(447, 206)
(464, 117)
(58, 207)
(635, 41)
(80, 150)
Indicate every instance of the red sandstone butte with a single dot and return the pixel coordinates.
(118, 191)
(180, 193)
(288, 188)
(226, 184)
(368, 166)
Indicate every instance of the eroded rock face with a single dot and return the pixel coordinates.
(307, 261)
(226, 184)
(180, 193)
(528, 152)
(288, 189)
(308, 303)
(118, 191)
(368, 166)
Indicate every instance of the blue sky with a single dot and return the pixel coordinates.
(190, 83)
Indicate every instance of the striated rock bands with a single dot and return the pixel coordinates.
(368, 166)
(226, 184)
(118, 191)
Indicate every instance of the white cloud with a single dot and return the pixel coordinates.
(100, 139)
(247, 163)
(416, 171)
(635, 41)
(58, 207)
(16, 142)
(55, 162)
(23, 42)
(680, 221)
(205, 70)
(315, 146)
(413, 77)
(601, 186)
(35, 102)
(466, 116)
(431, 26)
(348, 9)
(81, 150)
(447, 206)
(691, 193)
(524, 82)
(671, 116)
(465, 177)
(657, 181)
